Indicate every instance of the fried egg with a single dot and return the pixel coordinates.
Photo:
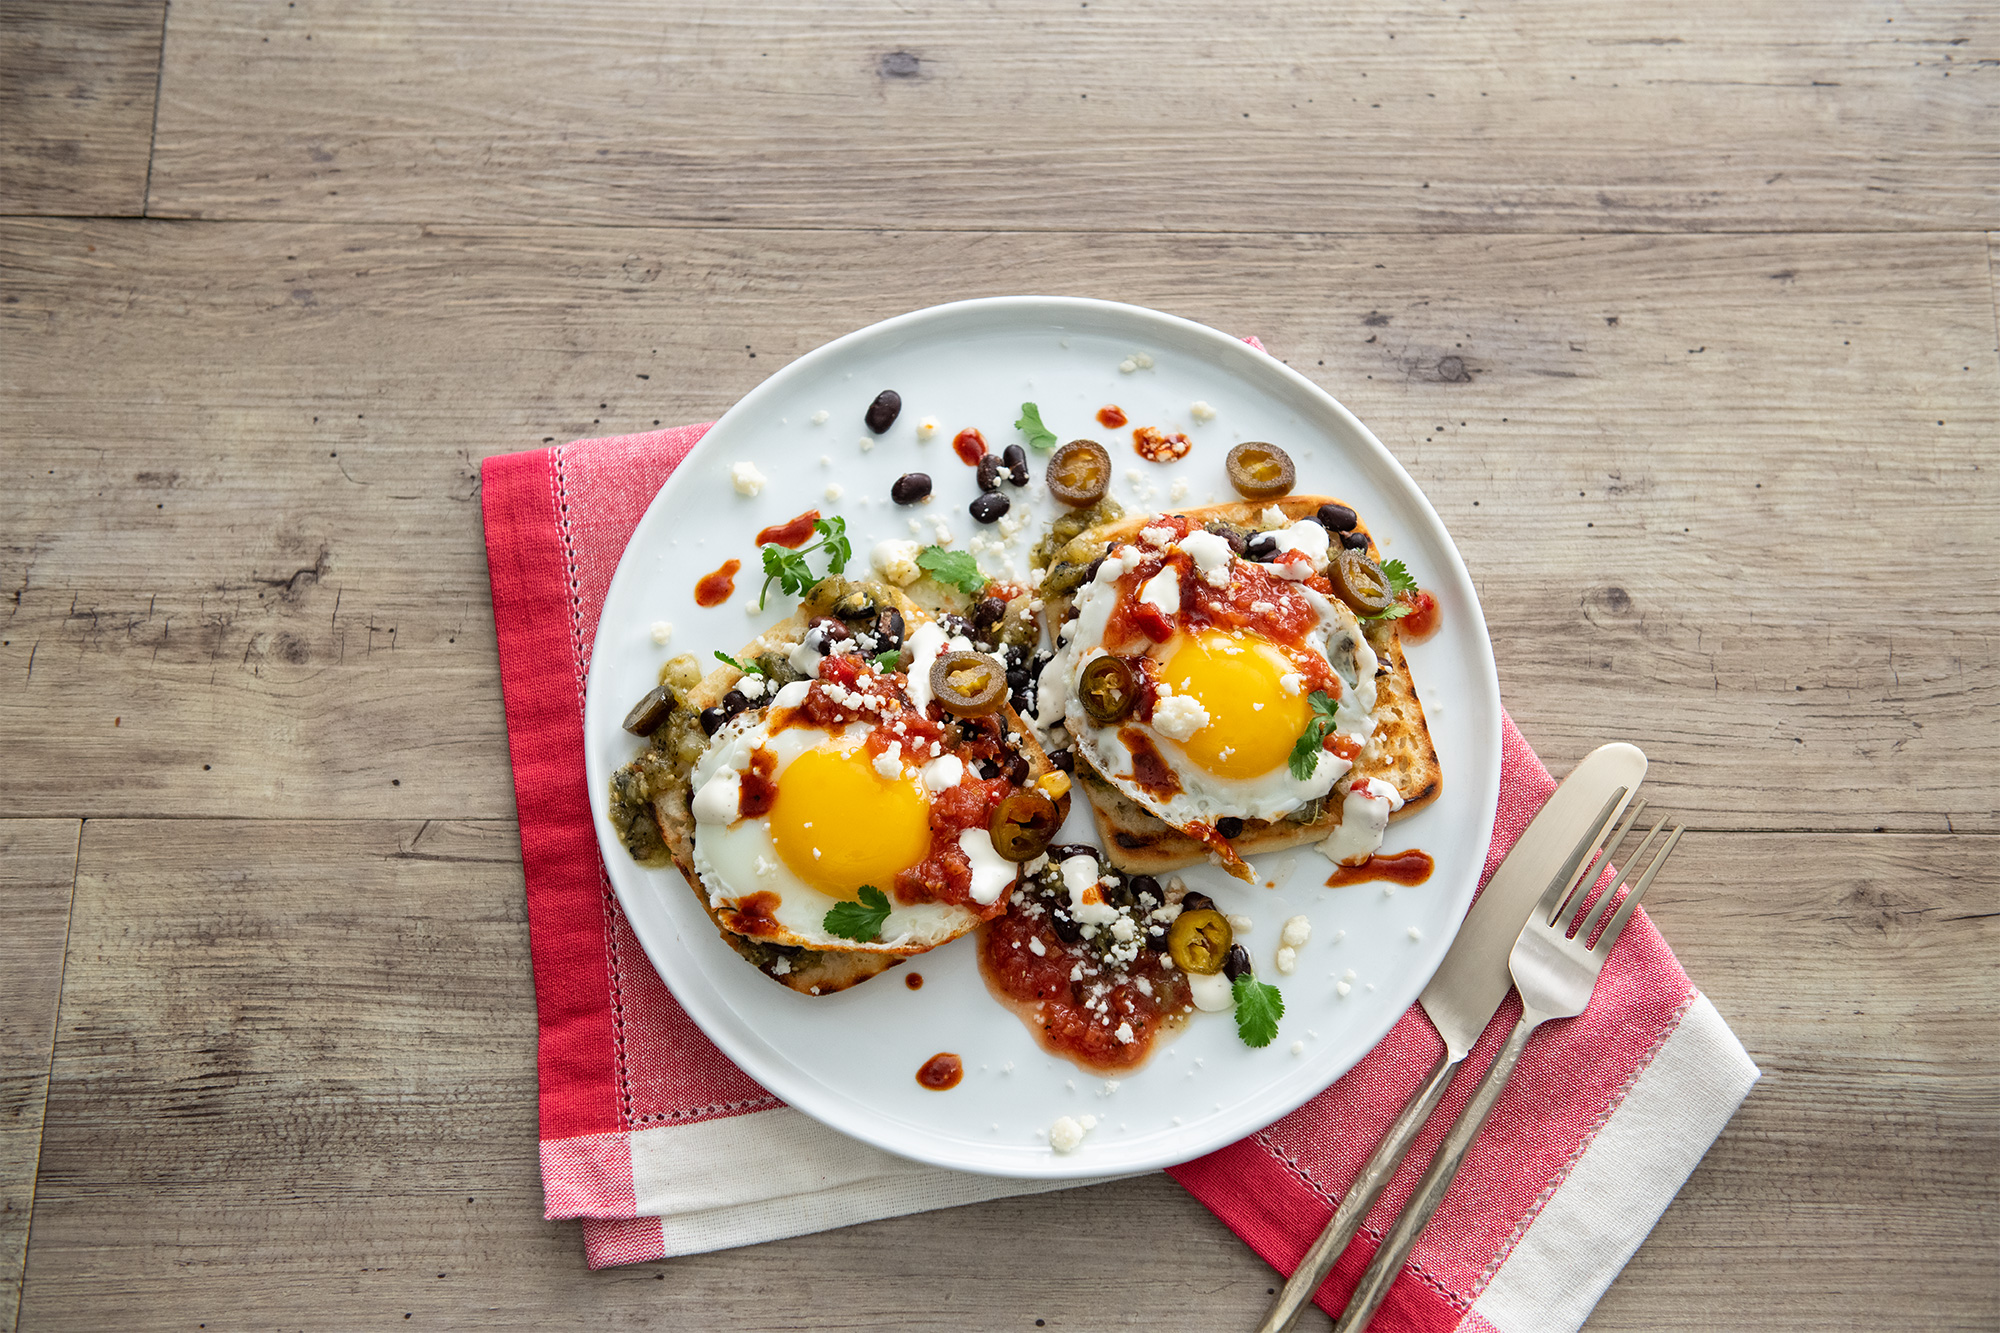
(793, 819)
(1231, 652)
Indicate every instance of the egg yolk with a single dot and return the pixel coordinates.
(839, 824)
(1253, 721)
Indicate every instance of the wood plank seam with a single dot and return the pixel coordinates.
(20, 1280)
(153, 129)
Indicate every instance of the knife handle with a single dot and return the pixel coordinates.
(1436, 1182)
(1359, 1199)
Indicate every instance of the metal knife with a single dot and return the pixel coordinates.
(1470, 984)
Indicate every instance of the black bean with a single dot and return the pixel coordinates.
(1063, 851)
(990, 506)
(989, 473)
(882, 412)
(1120, 893)
(1018, 771)
(1354, 541)
(1262, 548)
(1016, 459)
(889, 629)
(1017, 679)
(910, 488)
(1147, 884)
(1090, 570)
(1233, 536)
(735, 702)
(1068, 931)
(1337, 518)
(954, 625)
(1064, 760)
(1237, 964)
(827, 630)
(1197, 902)
(712, 720)
(1229, 826)
(1156, 938)
(988, 612)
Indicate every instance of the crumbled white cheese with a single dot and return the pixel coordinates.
(826, 460)
(1239, 923)
(1296, 932)
(1036, 947)
(867, 443)
(820, 417)
(1156, 536)
(751, 687)
(1288, 959)
(1179, 716)
(1201, 411)
(1416, 934)
(835, 490)
(896, 562)
(1179, 489)
(889, 763)
(1298, 1048)
(1065, 1135)
(1342, 988)
(746, 478)
(927, 428)
(1124, 1033)
(1272, 517)
(1136, 361)
(663, 630)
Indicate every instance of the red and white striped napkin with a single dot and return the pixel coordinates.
(645, 1124)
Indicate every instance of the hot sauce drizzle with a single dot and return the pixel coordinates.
(970, 446)
(941, 1071)
(791, 534)
(757, 790)
(915, 981)
(753, 915)
(1111, 416)
(1408, 868)
(717, 588)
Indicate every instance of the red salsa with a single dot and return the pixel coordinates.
(1422, 622)
(941, 1071)
(1086, 998)
(1157, 446)
(1111, 416)
(716, 588)
(1407, 868)
(791, 533)
(969, 445)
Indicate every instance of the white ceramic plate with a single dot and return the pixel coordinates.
(850, 1059)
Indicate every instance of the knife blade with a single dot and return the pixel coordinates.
(1469, 985)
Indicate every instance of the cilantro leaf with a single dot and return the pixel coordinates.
(1030, 425)
(1258, 1009)
(1400, 582)
(749, 668)
(889, 661)
(958, 568)
(789, 569)
(863, 920)
(1305, 754)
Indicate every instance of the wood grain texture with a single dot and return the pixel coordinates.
(1689, 475)
(1110, 115)
(327, 1108)
(37, 868)
(78, 80)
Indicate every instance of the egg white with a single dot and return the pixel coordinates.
(1335, 635)
(736, 857)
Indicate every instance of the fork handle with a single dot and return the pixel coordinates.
(1430, 1191)
(1360, 1197)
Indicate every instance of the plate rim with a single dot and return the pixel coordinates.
(825, 1103)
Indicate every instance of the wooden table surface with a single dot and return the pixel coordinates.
(1683, 314)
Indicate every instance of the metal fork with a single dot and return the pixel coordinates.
(1555, 967)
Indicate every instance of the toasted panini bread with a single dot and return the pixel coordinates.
(1400, 752)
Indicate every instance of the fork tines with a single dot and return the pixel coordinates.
(1569, 893)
